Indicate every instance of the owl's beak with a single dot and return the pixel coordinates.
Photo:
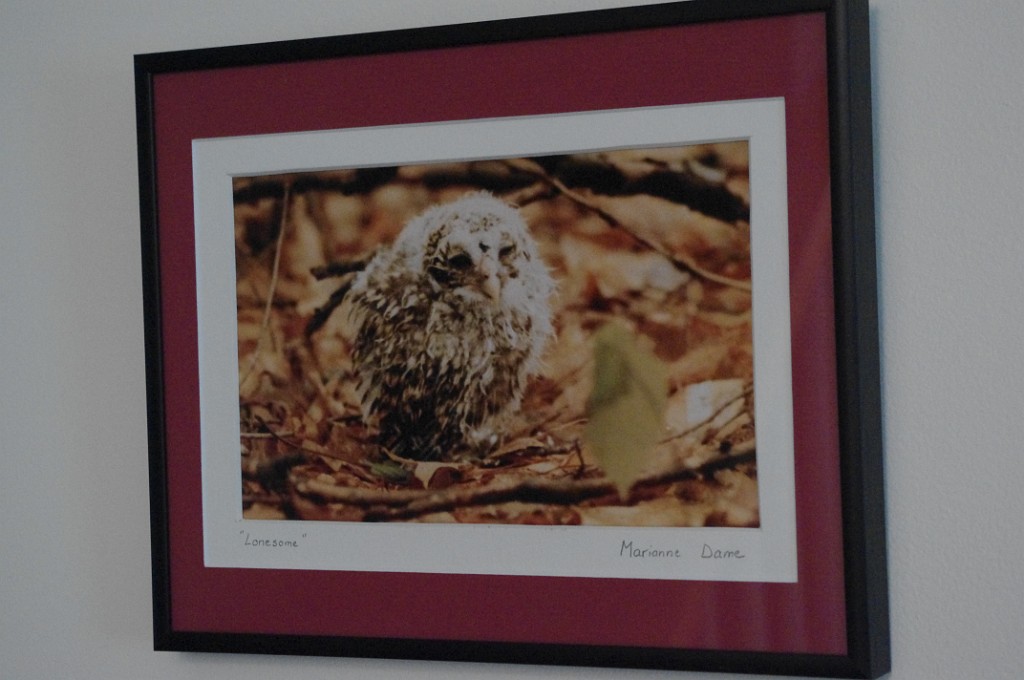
(490, 284)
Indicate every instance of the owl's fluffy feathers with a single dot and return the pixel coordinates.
(448, 324)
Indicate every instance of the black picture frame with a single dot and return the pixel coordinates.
(860, 505)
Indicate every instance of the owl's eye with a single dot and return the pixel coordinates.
(461, 261)
(506, 252)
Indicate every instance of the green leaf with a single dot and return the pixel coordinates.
(391, 471)
(626, 407)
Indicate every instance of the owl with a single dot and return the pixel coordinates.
(447, 324)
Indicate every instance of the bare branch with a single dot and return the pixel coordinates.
(383, 505)
(679, 260)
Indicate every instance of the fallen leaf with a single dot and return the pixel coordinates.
(625, 407)
(696, 404)
(436, 475)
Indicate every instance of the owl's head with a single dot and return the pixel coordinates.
(476, 247)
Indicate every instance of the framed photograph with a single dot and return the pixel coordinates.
(548, 340)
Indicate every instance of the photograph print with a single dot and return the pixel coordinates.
(542, 340)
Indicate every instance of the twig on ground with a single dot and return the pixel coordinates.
(382, 505)
(273, 287)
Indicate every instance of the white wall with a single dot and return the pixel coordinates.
(74, 555)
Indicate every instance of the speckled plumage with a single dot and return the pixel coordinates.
(449, 322)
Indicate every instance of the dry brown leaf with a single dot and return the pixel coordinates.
(437, 475)
(696, 404)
